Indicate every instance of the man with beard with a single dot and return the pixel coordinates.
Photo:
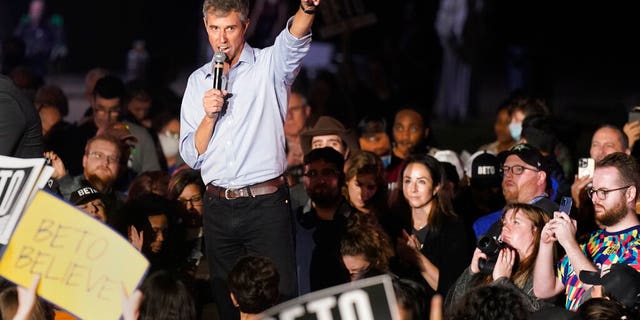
(107, 107)
(606, 140)
(101, 166)
(321, 222)
(524, 180)
(614, 193)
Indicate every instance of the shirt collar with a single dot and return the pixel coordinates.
(246, 56)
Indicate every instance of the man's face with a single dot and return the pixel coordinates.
(522, 187)
(297, 114)
(105, 111)
(332, 140)
(605, 141)
(226, 33)
(322, 182)
(191, 198)
(94, 208)
(613, 207)
(408, 130)
(159, 225)
(101, 163)
(377, 143)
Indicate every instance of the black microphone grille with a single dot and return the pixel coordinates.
(219, 57)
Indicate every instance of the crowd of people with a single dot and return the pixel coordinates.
(245, 195)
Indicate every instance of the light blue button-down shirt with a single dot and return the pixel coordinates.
(248, 142)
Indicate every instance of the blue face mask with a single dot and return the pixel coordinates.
(515, 129)
(386, 160)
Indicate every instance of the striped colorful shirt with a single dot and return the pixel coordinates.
(603, 248)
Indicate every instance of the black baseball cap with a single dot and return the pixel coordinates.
(485, 171)
(621, 283)
(527, 153)
(84, 194)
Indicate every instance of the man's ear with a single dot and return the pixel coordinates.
(542, 177)
(631, 194)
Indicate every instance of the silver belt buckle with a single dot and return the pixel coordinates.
(226, 193)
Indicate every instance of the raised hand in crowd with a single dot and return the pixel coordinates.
(27, 299)
(131, 304)
(632, 130)
(57, 164)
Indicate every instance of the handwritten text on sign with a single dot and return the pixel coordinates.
(81, 261)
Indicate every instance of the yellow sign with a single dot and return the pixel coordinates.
(82, 262)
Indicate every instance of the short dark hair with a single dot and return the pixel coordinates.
(624, 140)
(166, 297)
(627, 166)
(328, 154)
(372, 124)
(226, 6)
(539, 132)
(412, 297)
(109, 87)
(254, 281)
(530, 106)
(491, 302)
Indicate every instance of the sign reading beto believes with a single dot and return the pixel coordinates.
(371, 298)
(82, 263)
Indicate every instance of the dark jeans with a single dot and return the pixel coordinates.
(258, 226)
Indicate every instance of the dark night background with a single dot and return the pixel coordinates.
(584, 56)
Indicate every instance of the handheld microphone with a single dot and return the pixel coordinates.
(218, 64)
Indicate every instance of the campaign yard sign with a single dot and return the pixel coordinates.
(19, 180)
(367, 299)
(82, 263)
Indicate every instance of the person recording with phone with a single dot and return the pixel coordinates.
(632, 130)
(606, 140)
(234, 134)
(507, 260)
(614, 193)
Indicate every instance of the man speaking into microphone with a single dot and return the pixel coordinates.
(235, 135)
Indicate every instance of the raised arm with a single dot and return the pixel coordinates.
(545, 282)
(302, 21)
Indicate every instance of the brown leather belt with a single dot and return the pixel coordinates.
(258, 189)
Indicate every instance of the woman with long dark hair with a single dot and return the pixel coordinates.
(437, 242)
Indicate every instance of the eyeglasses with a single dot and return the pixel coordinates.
(97, 155)
(602, 193)
(325, 173)
(517, 169)
(102, 111)
(194, 201)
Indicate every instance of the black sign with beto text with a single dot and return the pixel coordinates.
(371, 298)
